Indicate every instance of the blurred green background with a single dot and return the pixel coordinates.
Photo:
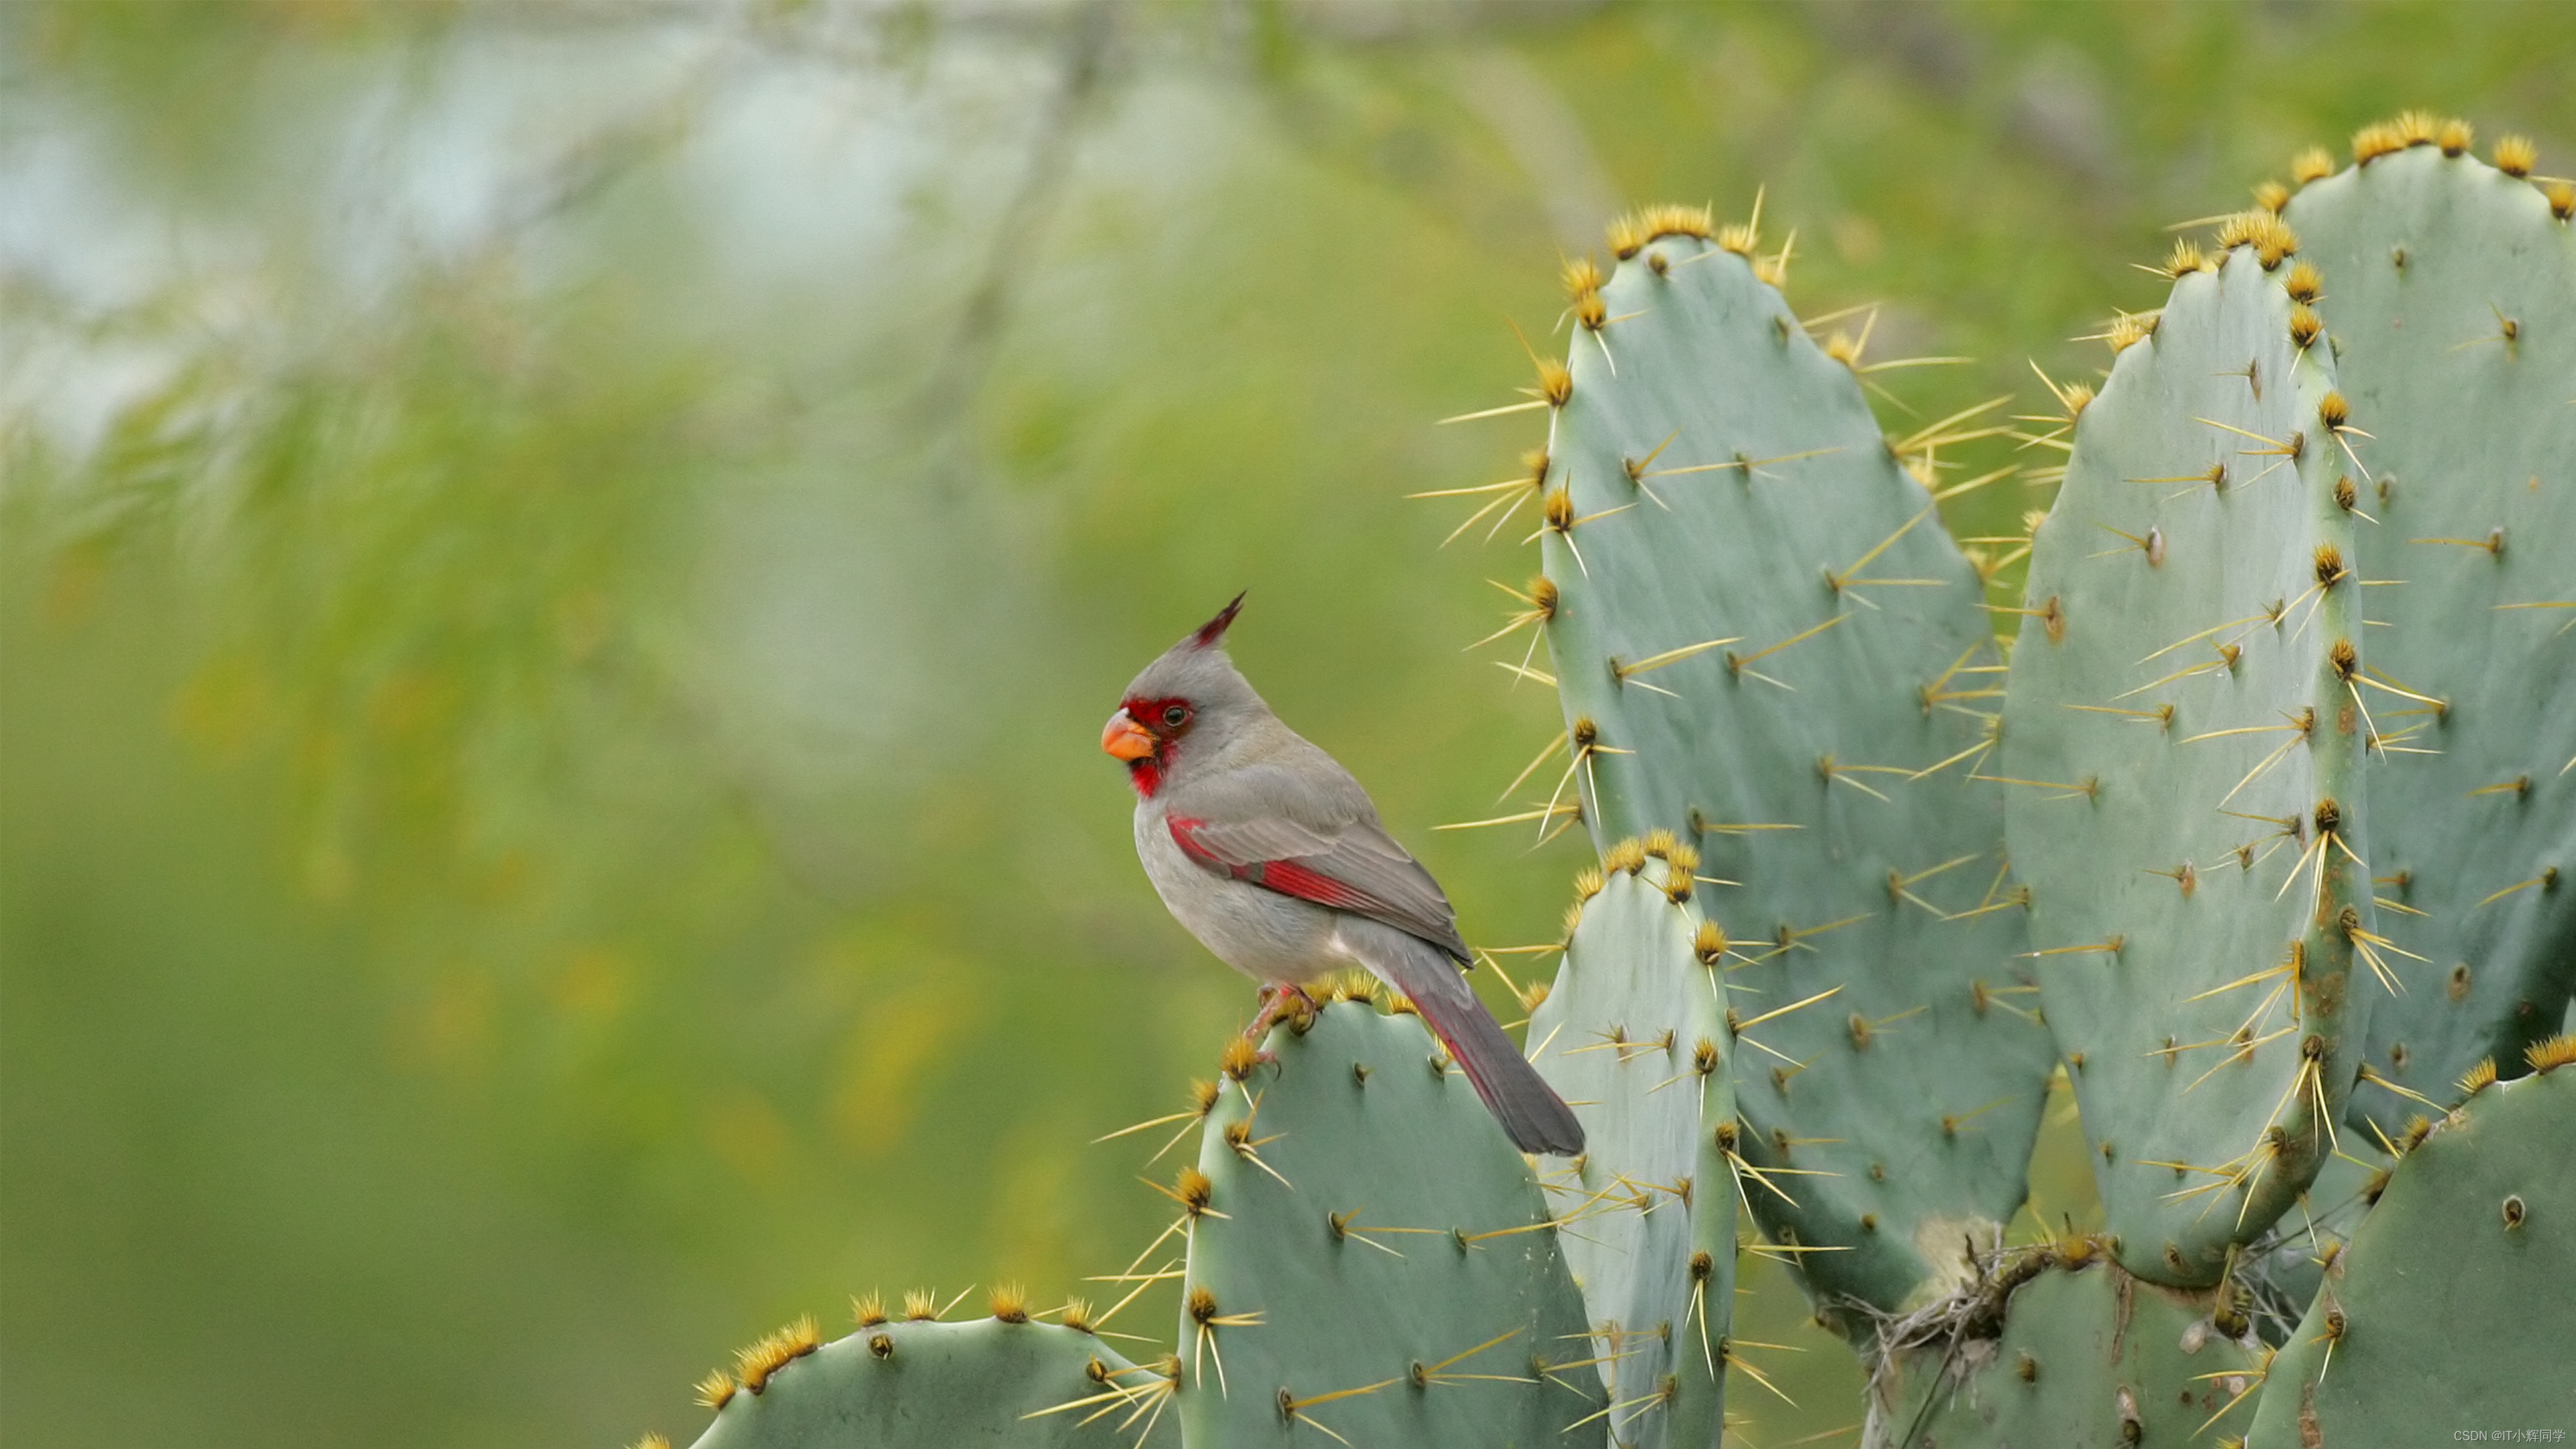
(563, 566)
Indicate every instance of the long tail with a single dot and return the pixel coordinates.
(1532, 1115)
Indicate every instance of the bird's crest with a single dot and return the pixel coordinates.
(1214, 629)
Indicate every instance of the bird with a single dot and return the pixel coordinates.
(1269, 852)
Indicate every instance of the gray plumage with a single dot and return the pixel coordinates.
(1271, 854)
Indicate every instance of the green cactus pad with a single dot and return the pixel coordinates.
(1373, 1258)
(951, 1385)
(1765, 641)
(2426, 260)
(1633, 1035)
(2182, 756)
(2449, 1310)
(2088, 1358)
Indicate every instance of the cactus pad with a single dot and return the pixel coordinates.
(2182, 751)
(1765, 642)
(2450, 292)
(2453, 1294)
(1633, 1035)
(985, 1384)
(1369, 1257)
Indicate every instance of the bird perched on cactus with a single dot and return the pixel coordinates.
(1271, 854)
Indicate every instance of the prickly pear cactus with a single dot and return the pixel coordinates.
(2182, 755)
(1633, 1035)
(1369, 1258)
(2449, 1310)
(2071, 1354)
(2449, 289)
(1765, 643)
(927, 1385)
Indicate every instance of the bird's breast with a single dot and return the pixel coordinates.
(1261, 933)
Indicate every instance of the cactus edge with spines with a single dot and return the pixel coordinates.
(1633, 1032)
(2449, 291)
(2453, 1293)
(1765, 644)
(1367, 1256)
(2182, 762)
(918, 1383)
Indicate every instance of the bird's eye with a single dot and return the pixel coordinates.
(1175, 715)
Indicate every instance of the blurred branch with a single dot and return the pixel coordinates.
(959, 374)
(592, 164)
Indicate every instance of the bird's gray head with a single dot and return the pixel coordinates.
(1183, 705)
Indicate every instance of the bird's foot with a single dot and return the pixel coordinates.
(1281, 1002)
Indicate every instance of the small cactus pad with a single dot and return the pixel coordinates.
(1765, 642)
(2087, 1358)
(2449, 1310)
(1368, 1256)
(2182, 747)
(1633, 1034)
(986, 1384)
(2450, 293)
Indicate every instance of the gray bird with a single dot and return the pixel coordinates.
(1271, 854)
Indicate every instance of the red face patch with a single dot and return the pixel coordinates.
(1166, 720)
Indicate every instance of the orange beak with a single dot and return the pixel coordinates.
(1125, 738)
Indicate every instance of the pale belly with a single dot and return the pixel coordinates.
(1261, 933)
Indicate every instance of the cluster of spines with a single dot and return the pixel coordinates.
(2515, 156)
(1637, 230)
(757, 1362)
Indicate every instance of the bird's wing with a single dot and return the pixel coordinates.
(1257, 826)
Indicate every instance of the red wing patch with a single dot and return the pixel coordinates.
(1287, 877)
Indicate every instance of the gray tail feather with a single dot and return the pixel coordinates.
(1530, 1111)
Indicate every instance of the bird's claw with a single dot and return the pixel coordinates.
(1280, 1003)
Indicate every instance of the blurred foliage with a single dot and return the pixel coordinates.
(563, 564)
